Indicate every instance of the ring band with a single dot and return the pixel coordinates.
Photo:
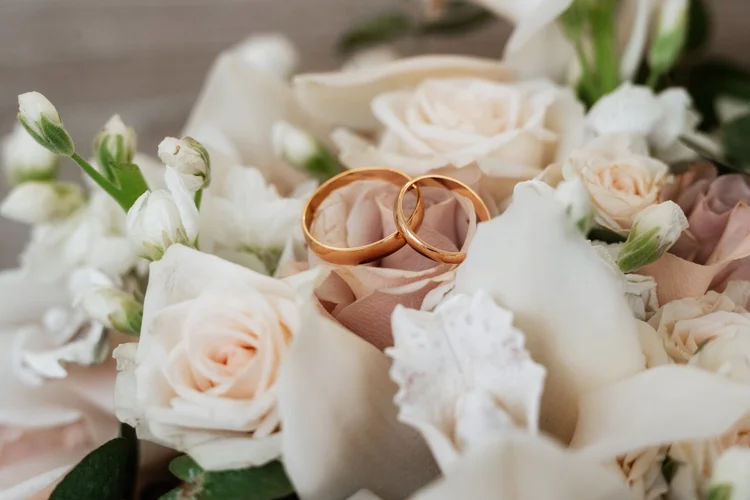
(410, 234)
(367, 253)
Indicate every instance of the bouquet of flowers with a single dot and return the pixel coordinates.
(427, 278)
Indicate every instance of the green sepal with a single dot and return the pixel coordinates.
(720, 492)
(639, 250)
(56, 137)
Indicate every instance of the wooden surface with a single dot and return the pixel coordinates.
(146, 59)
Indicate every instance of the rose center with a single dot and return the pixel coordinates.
(232, 358)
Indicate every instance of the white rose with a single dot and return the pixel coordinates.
(620, 176)
(24, 159)
(660, 119)
(202, 379)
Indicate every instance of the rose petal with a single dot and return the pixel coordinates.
(343, 98)
(340, 429)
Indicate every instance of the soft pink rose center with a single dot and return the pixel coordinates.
(231, 359)
(620, 178)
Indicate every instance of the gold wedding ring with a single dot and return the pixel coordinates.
(367, 253)
(429, 251)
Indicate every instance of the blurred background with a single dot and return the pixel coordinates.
(146, 59)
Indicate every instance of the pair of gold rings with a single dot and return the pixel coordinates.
(406, 227)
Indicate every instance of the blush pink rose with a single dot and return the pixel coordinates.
(363, 297)
(715, 249)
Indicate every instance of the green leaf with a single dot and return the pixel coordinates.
(131, 183)
(268, 482)
(459, 17)
(107, 473)
(605, 235)
(709, 80)
(736, 135)
(720, 492)
(383, 28)
(699, 28)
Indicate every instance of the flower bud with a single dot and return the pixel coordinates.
(654, 231)
(41, 120)
(114, 308)
(273, 53)
(25, 160)
(188, 157)
(37, 202)
(115, 144)
(162, 218)
(303, 151)
(670, 37)
(731, 475)
(577, 201)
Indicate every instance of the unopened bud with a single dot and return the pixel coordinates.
(41, 120)
(303, 151)
(114, 308)
(731, 475)
(25, 160)
(188, 157)
(654, 231)
(115, 144)
(273, 53)
(577, 201)
(38, 202)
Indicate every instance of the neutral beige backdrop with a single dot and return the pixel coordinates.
(146, 59)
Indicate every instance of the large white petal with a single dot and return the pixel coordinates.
(340, 432)
(524, 467)
(662, 405)
(535, 262)
(24, 298)
(343, 98)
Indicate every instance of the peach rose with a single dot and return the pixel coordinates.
(202, 378)
(689, 325)
(621, 177)
(363, 297)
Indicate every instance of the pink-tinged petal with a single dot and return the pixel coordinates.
(535, 262)
(340, 432)
(650, 409)
(343, 98)
(523, 467)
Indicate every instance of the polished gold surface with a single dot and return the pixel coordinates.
(367, 253)
(410, 234)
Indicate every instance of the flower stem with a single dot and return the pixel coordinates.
(605, 46)
(107, 186)
(653, 79)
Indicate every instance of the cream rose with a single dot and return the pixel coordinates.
(509, 130)
(202, 378)
(687, 325)
(620, 176)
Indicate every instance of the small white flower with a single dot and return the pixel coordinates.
(273, 53)
(115, 143)
(302, 150)
(38, 202)
(672, 16)
(660, 119)
(370, 58)
(464, 374)
(113, 308)
(24, 159)
(731, 474)
(188, 157)
(42, 121)
(654, 231)
(671, 34)
(161, 218)
(577, 201)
